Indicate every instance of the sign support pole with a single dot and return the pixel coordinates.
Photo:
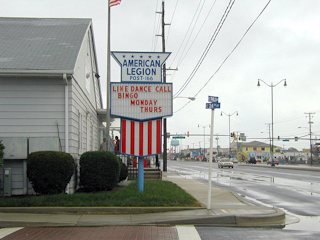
(210, 159)
(140, 174)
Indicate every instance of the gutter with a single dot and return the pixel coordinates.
(66, 120)
(66, 114)
(24, 72)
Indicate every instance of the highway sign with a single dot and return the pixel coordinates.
(212, 105)
(179, 137)
(213, 99)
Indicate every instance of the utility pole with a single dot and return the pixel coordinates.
(217, 138)
(310, 133)
(269, 124)
(164, 80)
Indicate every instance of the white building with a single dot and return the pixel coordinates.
(50, 96)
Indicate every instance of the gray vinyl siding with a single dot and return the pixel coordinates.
(83, 115)
(35, 106)
(31, 108)
(84, 133)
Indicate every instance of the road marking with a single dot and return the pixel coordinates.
(188, 232)
(7, 231)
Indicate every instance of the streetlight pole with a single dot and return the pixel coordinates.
(272, 86)
(190, 98)
(204, 137)
(229, 115)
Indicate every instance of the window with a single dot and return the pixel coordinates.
(254, 149)
(263, 148)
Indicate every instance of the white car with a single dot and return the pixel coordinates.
(234, 160)
(225, 162)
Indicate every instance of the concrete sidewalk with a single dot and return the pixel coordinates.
(227, 209)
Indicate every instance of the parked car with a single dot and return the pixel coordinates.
(277, 162)
(225, 162)
(251, 160)
(234, 160)
(258, 160)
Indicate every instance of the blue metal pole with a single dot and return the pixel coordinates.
(140, 174)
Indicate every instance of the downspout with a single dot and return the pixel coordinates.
(66, 117)
(66, 114)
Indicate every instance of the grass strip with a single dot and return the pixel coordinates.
(156, 193)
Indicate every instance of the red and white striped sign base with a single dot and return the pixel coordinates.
(140, 138)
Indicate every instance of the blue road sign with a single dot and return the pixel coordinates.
(212, 105)
(213, 99)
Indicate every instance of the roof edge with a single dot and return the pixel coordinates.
(14, 73)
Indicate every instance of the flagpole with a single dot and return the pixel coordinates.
(108, 83)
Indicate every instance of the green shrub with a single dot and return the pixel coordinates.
(1, 153)
(99, 170)
(123, 172)
(49, 172)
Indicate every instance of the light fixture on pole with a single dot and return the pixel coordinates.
(229, 115)
(204, 137)
(272, 86)
(190, 98)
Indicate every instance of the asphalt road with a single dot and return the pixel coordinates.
(222, 233)
(294, 191)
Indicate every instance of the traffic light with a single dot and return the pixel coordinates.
(188, 134)
(234, 136)
(231, 134)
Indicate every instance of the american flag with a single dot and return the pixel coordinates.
(140, 138)
(114, 3)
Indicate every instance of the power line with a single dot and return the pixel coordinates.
(155, 24)
(226, 57)
(204, 54)
(187, 31)
(233, 48)
(172, 20)
(182, 54)
(198, 33)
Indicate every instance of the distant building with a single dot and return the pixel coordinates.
(256, 149)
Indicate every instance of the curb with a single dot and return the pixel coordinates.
(312, 169)
(95, 210)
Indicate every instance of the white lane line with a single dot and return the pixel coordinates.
(7, 231)
(188, 232)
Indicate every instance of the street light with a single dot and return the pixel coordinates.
(272, 86)
(229, 115)
(204, 137)
(190, 98)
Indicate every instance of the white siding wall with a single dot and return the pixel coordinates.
(33, 107)
(30, 108)
(85, 101)
(85, 94)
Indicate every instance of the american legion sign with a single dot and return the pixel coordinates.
(141, 100)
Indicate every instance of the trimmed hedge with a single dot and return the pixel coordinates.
(1, 153)
(123, 172)
(99, 170)
(50, 172)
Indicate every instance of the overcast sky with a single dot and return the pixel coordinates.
(283, 43)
